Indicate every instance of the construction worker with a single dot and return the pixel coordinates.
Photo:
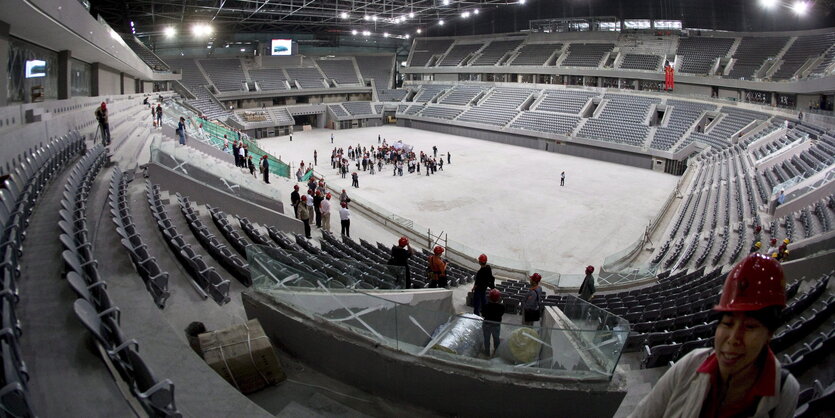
(437, 268)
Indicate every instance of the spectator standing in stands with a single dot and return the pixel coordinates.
(153, 115)
(235, 153)
(311, 184)
(345, 219)
(181, 130)
(772, 247)
(400, 255)
(562, 179)
(294, 200)
(492, 324)
(533, 301)
(437, 268)
(304, 216)
(317, 200)
(265, 166)
(104, 124)
(159, 116)
(355, 180)
(781, 197)
(783, 250)
(587, 288)
(756, 247)
(242, 152)
(325, 209)
(309, 204)
(251, 166)
(739, 375)
(483, 280)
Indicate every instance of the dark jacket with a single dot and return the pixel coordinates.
(493, 311)
(484, 278)
(295, 198)
(400, 256)
(316, 201)
(587, 288)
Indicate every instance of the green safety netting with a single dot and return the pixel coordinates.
(215, 133)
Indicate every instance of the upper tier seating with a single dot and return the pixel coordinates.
(424, 49)
(535, 54)
(700, 53)
(564, 101)
(439, 112)
(498, 108)
(586, 55)
(826, 62)
(307, 77)
(627, 109)
(226, 74)
(641, 62)
(341, 70)
(803, 48)
(193, 80)
(493, 52)
(338, 110)
(269, 79)
(377, 68)
(153, 61)
(546, 122)
(613, 131)
(428, 92)
(458, 53)
(752, 53)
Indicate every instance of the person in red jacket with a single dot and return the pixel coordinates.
(437, 268)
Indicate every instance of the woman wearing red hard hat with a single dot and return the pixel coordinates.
(739, 376)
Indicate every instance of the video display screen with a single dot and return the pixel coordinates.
(281, 47)
(35, 68)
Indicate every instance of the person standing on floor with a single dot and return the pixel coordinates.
(265, 166)
(343, 198)
(304, 216)
(483, 280)
(295, 199)
(159, 115)
(242, 155)
(317, 201)
(331, 138)
(533, 301)
(355, 180)
(251, 166)
(587, 288)
(448, 157)
(315, 158)
(435, 151)
(562, 179)
(437, 268)
(104, 124)
(325, 209)
(345, 219)
(235, 152)
(492, 324)
(400, 255)
(181, 130)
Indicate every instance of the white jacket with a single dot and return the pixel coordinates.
(681, 392)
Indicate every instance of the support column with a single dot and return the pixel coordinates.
(121, 83)
(64, 74)
(95, 81)
(4, 69)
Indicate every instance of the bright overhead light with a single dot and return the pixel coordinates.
(465, 15)
(201, 29)
(366, 17)
(354, 32)
(446, 2)
(411, 15)
(170, 32)
(243, 49)
(419, 31)
(385, 34)
(475, 12)
(131, 23)
(521, 1)
(769, 4)
(374, 18)
(441, 22)
(800, 7)
(343, 15)
(366, 33)
(407, 36)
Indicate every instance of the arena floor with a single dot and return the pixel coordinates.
(503, 200)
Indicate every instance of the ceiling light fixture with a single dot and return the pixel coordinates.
(441, 22)
(343, 15)
(354, 32)
(170, 32)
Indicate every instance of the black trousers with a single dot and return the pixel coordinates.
(306, 227)
(346, 227)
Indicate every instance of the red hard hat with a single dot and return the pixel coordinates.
(438, 250)
(403, 241)
(589, 269)
(773, 241)
(344, 205)
(104, 105)
(296, 187)
(535, 277)
(304, 197)
(482, 258)
(328, 196)
(494, 295)
(755, 283)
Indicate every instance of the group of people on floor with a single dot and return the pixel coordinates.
(315, 206)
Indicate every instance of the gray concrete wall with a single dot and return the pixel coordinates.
(445, 387)
(811, 267)
(686, 89)
(568, 148)
(109, 81)
(201, 193)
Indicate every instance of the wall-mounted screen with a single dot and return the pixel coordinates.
(35, 68)
(281, 47)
